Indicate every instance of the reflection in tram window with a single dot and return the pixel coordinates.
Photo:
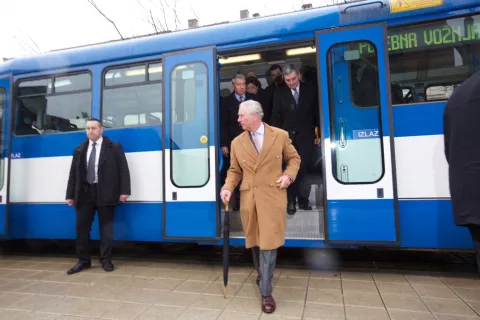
(355, 114)
(132, 96)
(189, 156)
(43, 108)
(432, 58)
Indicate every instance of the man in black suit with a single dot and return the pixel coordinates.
(275, 79)
(462, 151)
(99, 179)
(296, 110)
(229, 126)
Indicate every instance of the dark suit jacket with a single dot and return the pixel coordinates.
(265, 97)
(229, 126)
(298, 120)
(462, 150)
(113, 174)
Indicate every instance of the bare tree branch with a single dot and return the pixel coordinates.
(24, 45)
(38, 50)
(163, 29)
(164, 14)
(103, 14)
(174, 9)
(194, 13)
(152, 20)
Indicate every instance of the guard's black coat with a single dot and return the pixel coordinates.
(462, 150)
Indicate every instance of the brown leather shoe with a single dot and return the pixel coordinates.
(268, 304)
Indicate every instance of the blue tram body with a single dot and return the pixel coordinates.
(384, 74)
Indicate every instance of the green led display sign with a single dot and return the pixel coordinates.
(434, 35)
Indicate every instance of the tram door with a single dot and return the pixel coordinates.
(190, 147)
(5, 107)
(358, 136)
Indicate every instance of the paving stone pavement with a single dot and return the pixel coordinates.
(38, 288)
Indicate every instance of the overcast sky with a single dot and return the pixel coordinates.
(43, 25)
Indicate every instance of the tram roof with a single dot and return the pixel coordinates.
(222, 35)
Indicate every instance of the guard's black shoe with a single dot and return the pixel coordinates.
(80, 266)
(108, 266)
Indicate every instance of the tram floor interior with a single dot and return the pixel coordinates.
(304, 224)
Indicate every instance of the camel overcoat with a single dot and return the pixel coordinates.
(263, 205)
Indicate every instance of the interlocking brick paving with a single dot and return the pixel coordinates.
(38, 288)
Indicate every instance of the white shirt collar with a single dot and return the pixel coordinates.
(99, 142)
(261, 129)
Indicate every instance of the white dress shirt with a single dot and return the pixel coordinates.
(98, 147)
(260, 134)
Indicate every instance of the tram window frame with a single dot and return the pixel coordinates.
(147, 81)
(50, 93)
(422, 25)
(173, 122)
(3, 134)
(331, 108)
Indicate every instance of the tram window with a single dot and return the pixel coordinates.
(40, 86)
(432, 57)
(189, 122)
(141, 119)
(127, 75)
(43, 109)
(3, 100)
(132, 102)
(357, 155)
(155, 72)
(75, 82)
(130, 98)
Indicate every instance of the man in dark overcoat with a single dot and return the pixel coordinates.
(99, 180)
(462, 150)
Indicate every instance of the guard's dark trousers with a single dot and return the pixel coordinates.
(85, 214)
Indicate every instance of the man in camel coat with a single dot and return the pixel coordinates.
(256, 160)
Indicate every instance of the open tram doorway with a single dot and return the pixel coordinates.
(263, 63)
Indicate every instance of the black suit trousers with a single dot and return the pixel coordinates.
(85, 214)
(300, 188)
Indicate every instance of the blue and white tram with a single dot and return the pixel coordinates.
(384, 73)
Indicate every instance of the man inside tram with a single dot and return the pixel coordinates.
(295, 110)
(229, 126)
(25, 122)
(275, 80)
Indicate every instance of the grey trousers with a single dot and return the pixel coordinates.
(265, 261)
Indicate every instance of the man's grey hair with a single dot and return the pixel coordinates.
(252, 107)
(289, 68)
(238, 76)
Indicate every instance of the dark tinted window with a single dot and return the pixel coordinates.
(41, 110)
(428, 61)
